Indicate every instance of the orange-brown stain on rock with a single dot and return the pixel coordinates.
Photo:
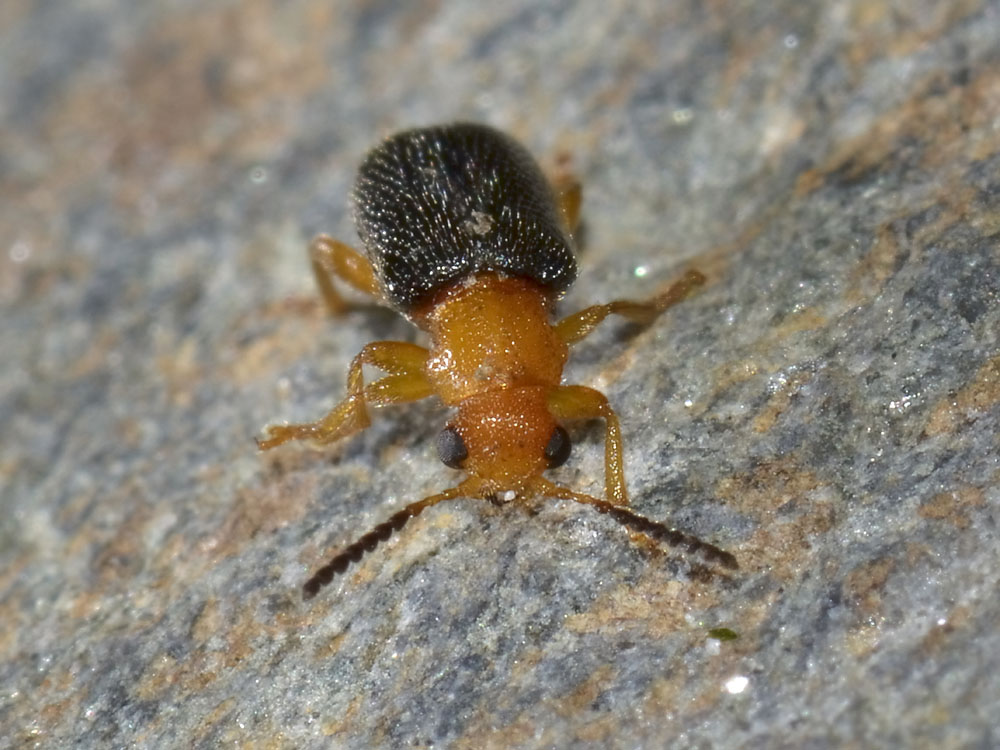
(261, 734)
(208, 623)
(190, 676)
(584, 694)
(14, 602)
(522, 731)
(920, 553)
(246, 630)
(864, 584)
(264, 339)
(767, 356)
(571, 706)
(213, 84)
(780, 544)
(734, 372)
(578, 703)
(222, 640)
(942, 634)
(955, 201)
(30, 714)
(666, 695)
(863, 592)
(780, 400)
(953, 506)
(957, 410)
(166, 559)
(862, 589)
(768, 487)
(942, 112)
(807, 319)
(110, 559)
(179, 365)
(868, 277)
(159, 675)
(261, 508)
(56, 712)
(189, 96)
(527, 661)
(214, 719)
(654, 607)
(260, 356)
(330, 647)
(95, 357)
(600, 731)
(120, 560)
(342, 723)
(863, 638)
(881, 28)
(483, 733)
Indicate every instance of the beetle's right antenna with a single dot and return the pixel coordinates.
(369, 541)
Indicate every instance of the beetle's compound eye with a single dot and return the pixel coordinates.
(451, 448)
(559, 447)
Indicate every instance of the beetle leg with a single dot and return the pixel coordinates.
(579, 325)
(331, 258)
(406, 381)
(569, 195)
(632, 520)
(580, 402)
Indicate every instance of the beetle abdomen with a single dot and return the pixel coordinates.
(435, 205)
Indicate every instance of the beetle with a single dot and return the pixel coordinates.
(464, 235)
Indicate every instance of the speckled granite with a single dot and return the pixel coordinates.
(828, 408)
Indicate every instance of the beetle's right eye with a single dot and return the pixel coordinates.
(451, 448)
(559, 447)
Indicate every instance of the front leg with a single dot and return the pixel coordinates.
(406, 381)
(580, 402)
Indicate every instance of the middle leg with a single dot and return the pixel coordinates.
(406, 381)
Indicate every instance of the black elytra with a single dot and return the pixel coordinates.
(435, 205)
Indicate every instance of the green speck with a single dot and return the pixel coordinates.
(723, 634)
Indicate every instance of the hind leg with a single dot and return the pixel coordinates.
(331, 259)
(579, 325)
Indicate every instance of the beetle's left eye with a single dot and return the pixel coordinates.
(451, 448)
(559, 448)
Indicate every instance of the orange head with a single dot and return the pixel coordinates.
(504, 438)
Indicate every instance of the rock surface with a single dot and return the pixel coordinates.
(827, 409)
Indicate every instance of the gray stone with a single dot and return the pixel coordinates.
(827, 408)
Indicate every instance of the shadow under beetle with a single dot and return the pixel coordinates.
(464, 236)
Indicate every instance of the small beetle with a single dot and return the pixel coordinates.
(465, 237)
